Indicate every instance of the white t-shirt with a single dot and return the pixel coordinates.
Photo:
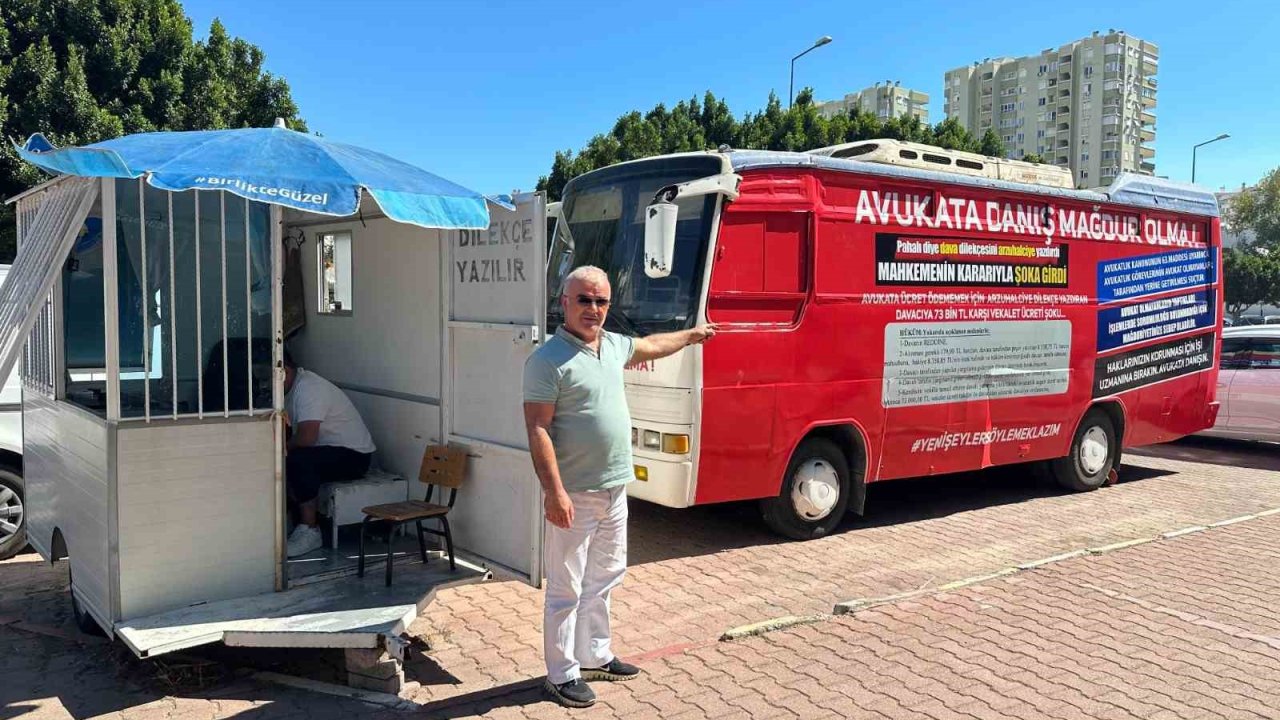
(314, 398)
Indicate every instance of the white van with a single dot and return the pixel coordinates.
(13, 531)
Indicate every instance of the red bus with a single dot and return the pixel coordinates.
(888, 311)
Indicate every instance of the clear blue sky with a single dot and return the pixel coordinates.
(484, 93)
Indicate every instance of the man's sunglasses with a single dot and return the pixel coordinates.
(587, 301)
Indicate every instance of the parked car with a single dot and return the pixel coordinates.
(1249, 384)
(13, 529)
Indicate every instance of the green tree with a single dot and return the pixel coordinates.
(1034, 157)
(1251, 269)
(1250, 276)
(82, 71)
(1255, 213)
(991, 144)
(692, 125)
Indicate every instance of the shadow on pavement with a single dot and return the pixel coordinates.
(659, 533)
(513, 695)
(1216, 451)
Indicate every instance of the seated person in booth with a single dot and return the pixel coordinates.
(328, 443)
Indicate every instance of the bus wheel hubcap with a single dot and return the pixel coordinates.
(816, 490)
(1094, 450)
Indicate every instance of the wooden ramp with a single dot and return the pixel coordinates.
(348, 612)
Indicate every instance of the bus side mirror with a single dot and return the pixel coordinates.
(660, 238)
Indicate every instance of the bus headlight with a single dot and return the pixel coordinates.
(675, 444)
(652, 439)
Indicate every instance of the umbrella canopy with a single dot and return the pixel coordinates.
(273, 165)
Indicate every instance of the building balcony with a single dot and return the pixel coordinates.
(1147, 135)
(1147, 101)
(1146, 152)
(1148, 168)
(1148, 118)
(1063, 160)
(1064, 110)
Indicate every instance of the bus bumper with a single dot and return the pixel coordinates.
(668, 483)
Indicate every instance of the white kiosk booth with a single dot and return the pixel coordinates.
(153, 324)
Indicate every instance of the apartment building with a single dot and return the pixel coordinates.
(886, 101)
(1087, 105)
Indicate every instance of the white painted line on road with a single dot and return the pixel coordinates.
(1269, 513)
(1184, 531)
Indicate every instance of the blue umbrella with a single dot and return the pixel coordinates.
(273, 165)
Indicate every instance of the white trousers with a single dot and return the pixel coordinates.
(583, 565)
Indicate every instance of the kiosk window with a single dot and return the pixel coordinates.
(334, 281)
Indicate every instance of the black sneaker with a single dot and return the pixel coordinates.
(614, 670)
(575, 693)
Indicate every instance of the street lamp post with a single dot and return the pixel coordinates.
(791, 91)
(1223, 136)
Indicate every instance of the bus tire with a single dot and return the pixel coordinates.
(1094, 452)
(13, 536)
(814, 493)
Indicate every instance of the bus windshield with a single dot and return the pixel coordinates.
(602, 224)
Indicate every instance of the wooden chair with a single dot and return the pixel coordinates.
(442, 467)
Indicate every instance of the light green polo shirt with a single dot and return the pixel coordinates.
(591, 430)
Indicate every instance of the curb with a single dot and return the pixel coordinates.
(765, 626)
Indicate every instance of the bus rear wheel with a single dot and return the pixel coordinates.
(1094, 452)
(814, 493)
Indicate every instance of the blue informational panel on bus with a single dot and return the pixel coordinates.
(1157, 273)
(1122, 325)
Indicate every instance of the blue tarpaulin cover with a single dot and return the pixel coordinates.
(273, 165)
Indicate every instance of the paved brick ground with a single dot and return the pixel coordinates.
(696, 573)
(1179, 628)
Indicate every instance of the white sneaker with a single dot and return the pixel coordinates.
(303, 540)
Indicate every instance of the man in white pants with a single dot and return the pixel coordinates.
(575, 410)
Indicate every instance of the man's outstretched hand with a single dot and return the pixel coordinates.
(702, 333)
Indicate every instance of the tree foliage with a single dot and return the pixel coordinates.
(695, 124)
(1251, 269)
(81, 71)
(1249, 278)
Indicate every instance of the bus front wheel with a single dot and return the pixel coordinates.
(1094, 452)
(814, 493)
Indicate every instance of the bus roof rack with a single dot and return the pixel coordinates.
(888, 151)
